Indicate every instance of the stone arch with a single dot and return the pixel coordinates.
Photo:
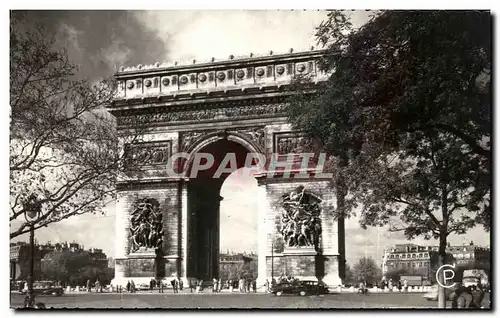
(214, 137)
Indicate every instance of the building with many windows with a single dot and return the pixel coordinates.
(231, 266)
(412, 259)
(20, 257)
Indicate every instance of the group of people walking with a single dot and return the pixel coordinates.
(401, 285)
(195, 285)
(467, 297)
(97, 285)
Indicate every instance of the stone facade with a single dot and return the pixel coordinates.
(239, 103)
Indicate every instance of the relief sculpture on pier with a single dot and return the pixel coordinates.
(146, 225)
(300, 219)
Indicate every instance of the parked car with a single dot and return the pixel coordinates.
(433, 293)
(471, 281)
(45, 288)
(314, 287)
(301, 288)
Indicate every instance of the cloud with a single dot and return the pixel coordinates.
(99, 42)
(202, 35)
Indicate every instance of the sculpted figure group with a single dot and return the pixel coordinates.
(146, 226)
(300, 222)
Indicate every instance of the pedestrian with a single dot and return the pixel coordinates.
(132, 286)
(21, 286)
(181, 284)
(151, 285)
(201, 285)
(220, 285)
(198, 285)
(399, 285)
(174, 285)
(266, 286)
(160, 285)
(191, 284)
(461, 297)
(405, 286)
(128, 286)
(477, 297)
(390, 285)
(214, 285)
(361, 288)
(254, 286)
(89, 286)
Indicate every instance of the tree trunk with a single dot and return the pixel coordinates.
(341, 189)
(440, 278)
(442, 246)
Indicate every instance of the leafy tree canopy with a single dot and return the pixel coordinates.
(406, 114)
(366, 270)
(64, 150)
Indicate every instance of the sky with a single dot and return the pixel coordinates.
(102, 41)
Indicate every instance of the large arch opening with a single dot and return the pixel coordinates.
(238, 231)
(204, 205)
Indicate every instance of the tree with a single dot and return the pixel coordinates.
(75, 268)
(349, 278)
(366, 270)
(248, 270)
(396, 274)
(64, 150)
(406, 109)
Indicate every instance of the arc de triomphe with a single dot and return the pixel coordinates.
(237, 106)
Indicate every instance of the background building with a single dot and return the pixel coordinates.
(234, 266)
(20, 257)
(412, 259)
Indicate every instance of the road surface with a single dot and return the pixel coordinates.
(208, 300)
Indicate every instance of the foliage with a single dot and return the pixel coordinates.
(75, 268)
(395, 274)
(407, 109)
(248, 270)
(64, 150)
(366, 270)
(349, 275)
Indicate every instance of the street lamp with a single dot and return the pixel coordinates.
(33, 209)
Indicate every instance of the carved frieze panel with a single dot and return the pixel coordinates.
(187, 139)
(148, 153)
(289, 142)
(146, 225)
(249, 111)
(300, 219)
(256, 134)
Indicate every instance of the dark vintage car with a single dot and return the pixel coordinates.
(45, 288)
(301, 288)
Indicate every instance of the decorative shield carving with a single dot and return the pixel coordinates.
(300, 220)
(146, 224)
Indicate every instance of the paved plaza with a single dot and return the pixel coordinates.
(209, 300)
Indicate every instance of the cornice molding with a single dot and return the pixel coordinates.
(225, 79)
(235, 62)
